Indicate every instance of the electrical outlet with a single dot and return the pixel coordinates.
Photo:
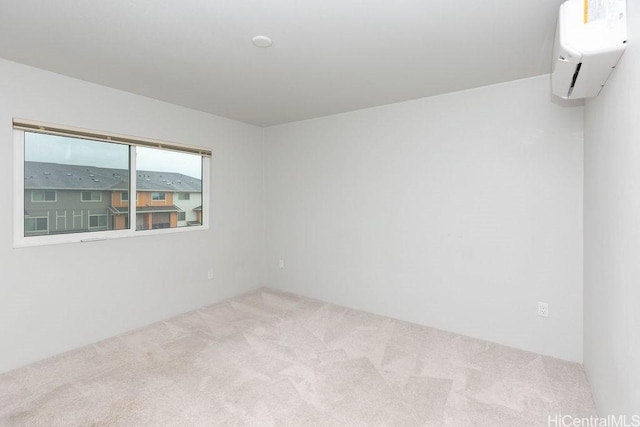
(210, 273)
(543, 309)
(281, 263)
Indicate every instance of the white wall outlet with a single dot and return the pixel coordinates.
(281, 263)
(543, 309)
(210, 273)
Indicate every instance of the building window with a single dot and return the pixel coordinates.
(182, 216)
(96, 221)
(91, 196)
(63, 165)
(36, 225)
(158, 196)
(43, 196)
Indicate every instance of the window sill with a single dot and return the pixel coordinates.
(57, 239)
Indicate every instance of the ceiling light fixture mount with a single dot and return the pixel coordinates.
(262, 41)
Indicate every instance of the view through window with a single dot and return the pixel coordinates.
(158, 185)
(78, 185)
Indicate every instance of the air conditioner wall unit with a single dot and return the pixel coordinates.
(590, 39)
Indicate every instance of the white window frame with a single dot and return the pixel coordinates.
(187, 196)
(122, 193)
(91, 200)
(20, 240)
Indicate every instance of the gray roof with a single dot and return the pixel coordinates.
(57, 176)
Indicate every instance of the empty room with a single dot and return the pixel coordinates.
(412, 213)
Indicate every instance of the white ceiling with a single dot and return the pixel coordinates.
(328, 56)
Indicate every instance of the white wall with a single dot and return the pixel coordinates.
(612, 234)
(60, 297)
(459, 211)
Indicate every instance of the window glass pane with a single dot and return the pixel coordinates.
(98, 221)
(68, 172)
(91, 196)
(43, 196)
(35, 225)
(29, 224)
(42, 223)
(162, 176)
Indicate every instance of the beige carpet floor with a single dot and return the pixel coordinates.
(271, 358)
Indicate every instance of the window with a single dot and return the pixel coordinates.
(43, 196)
(62, 166)
(91, 196)
(96, 221)
(33, 225)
